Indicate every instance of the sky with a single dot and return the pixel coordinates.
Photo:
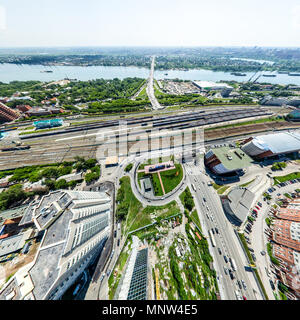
(53, 23)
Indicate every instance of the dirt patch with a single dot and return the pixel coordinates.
(246, 129)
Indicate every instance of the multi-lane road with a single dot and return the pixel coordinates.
(150, 88)
(212, 216)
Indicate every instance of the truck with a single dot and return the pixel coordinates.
(233, 264)
(212, 238)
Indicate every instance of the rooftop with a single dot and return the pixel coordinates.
(240, 201)
(232, 158)
(211, 84)
(278, 142)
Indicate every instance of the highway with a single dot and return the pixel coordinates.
(150, 88)
(211, 215)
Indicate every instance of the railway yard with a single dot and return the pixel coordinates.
(85, 139)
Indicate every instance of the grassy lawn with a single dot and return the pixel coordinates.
(291, 176)
(164, 211)
(143, 94)
(39, 131)
(156, 185)
(220, 189)
(244, 185)
(242, 237)
(195, 217)
(245, 123)
(129, 207)
(172, 178)
(140, 220)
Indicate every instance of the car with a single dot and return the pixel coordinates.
(115, 233)
(254, 211)
(204, 199)
(108, 273)
(226, 259)
(217, 231)
(118, 242)
(259, 203)
(244, 298)
(244, 284)
(219, 250)
(257, 207)
(225, 270)
(213, 231)
(253, 256)
(263, 253)
(102, 276)
(239, 284)
(272, 284)
(250, 249)
(231, 275)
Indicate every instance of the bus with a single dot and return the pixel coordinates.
(193, 186)
(76, 289)
(233, 264)
(212, 238)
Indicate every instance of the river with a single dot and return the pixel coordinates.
(11, 72)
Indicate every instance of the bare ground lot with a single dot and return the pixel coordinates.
(248, 129)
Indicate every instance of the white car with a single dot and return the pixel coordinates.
(244, 284)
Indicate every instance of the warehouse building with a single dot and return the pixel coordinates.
(225, 160)
(76, 225)
(210, 85)
(237, 203)
(272, 144)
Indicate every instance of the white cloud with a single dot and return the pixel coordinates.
(2, 18)
(296, 17)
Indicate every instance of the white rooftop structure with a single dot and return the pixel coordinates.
(210, 85)
(76, 225)
(238, 203)
(277, 143)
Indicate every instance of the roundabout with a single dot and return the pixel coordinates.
(168, 183)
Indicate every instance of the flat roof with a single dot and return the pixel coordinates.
(210, 84)
(13, 243)
(232, 158)
(240, 201)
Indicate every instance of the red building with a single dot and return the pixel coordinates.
(23, 107)
(7, 114)
(286, 233)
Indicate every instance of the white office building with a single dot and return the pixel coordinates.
(76, 226)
